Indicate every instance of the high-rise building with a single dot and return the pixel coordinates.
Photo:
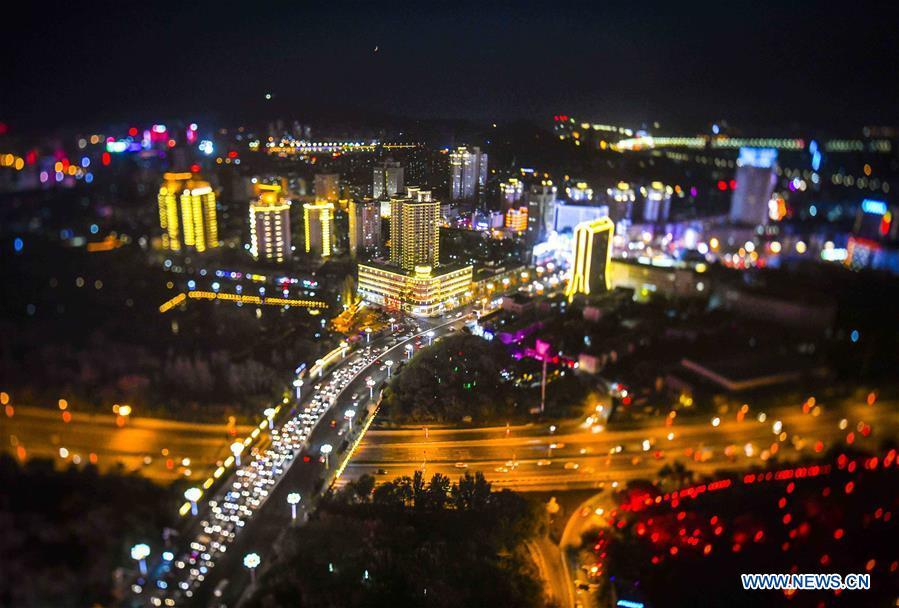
(387, 180)
(365, 226)
(327, 187)
(270, 225)
(423, 291)
(579, 192)
(511, 192)
(318, 228)
(414, 226)
(187, 213)
(657, 202)
(468, 172)
(756, 178)
(517, 219)
(592, 258)
(541, 211)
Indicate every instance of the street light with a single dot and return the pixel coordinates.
(237, 449)
(392, 324)
(389, 364)
(367, 335)
(370, 383)
(293, 500)
(430, 336)
(299, 385)
(193, 495)
(140, 552)
(409, 349)
(325, 450)
(270, 414)
(321, 367)
(343, 347)
(252, 561)
(349, 416)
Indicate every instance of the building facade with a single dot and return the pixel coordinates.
(517, 219)
(387, 180)
(270, 225)
(468, 172)
(187, 213)
(756, 178)
(414, 226)
(327, 187)
(423, 291)
(592, 258)
(541, 211)
(365, 227)
(318, 228)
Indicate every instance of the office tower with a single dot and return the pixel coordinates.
(388, 180)
(270, 225)
(592, 257)
(318, 228)
(756, 178)
(622, 198)
(327, 187)
(187, 213)
(511, 192)
(657, 202)
(579, 192)
(414, 225)
(541, 211)
(468, 172)
(365, 226)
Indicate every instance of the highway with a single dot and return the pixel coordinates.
(249, 509)
(161, 450)
(589, 456)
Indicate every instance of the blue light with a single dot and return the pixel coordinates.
(869, 205)
(813, 211)
(18, 245)
(94, 229)
(716, 129)
(629, 604)
(763, 158)
(168, 556)
(854, 336)
(191, 284)
(85, 162)
(89, 178)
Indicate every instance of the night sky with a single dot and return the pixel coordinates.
(774, 64)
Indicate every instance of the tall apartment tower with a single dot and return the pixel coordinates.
(270, 225)
(592, 257)
(756, 178)
(187, 213)
(414, 226)
(468, 172)
(365, 226)
(541, 211)
(318, 228)
(327, 187)
(387, 180)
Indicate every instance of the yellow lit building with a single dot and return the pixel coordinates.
(517, 219)
(187, 213)
(318, 228)
(270, 225)
(414, 226)
(423, 291)
(592, 257)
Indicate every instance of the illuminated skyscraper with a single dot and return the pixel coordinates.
(592, 257)
(327, 187)
(517, 219)
(318, 228)
(756, 177)
(541, 211)
(187, 213)
(270, 225)
(511, 192)
(388, 180)
(468, 172)
(365, 226)
(414, 225)
(657, 202)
